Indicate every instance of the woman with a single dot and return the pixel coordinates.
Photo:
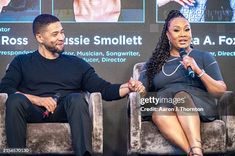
(3, 3)
(167, 74)
(97, 10)
(202, 10)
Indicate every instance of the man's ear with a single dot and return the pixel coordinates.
(39, 38)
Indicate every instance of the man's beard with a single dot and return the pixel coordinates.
(53, 49)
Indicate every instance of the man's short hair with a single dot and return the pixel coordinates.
(42, 21)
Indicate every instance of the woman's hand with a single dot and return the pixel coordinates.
(132, 86)
(190, 62)
(215, 87)
(136, 86)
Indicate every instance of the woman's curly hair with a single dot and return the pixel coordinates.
(162, 51)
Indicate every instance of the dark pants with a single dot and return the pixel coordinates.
(72, 109)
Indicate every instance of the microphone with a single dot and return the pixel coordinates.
(56, 98)
(182, 55)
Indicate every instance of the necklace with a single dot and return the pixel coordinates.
(172, 59)
(163, 70)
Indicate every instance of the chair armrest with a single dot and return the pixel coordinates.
(226, 105)
(3, 98)
(135, 122)
(227, 112)
(96, 113)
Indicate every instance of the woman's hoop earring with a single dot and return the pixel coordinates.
(169, 44)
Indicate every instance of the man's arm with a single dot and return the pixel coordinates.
(12, 78)
(48, 102)
(91, 82)
(11, 82)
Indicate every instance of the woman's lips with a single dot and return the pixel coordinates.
(183, 41)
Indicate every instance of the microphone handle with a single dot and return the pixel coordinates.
(191, 72)
(182, 55)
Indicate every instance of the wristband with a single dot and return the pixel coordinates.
(203, 72)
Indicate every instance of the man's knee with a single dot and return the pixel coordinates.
(16, 101)
(76, 100)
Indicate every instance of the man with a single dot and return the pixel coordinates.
(32, 80)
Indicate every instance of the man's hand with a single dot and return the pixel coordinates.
(132, 86)
(136, 86)
(48, 102)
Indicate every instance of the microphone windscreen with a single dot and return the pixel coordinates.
(56, 96)
(182, 52)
